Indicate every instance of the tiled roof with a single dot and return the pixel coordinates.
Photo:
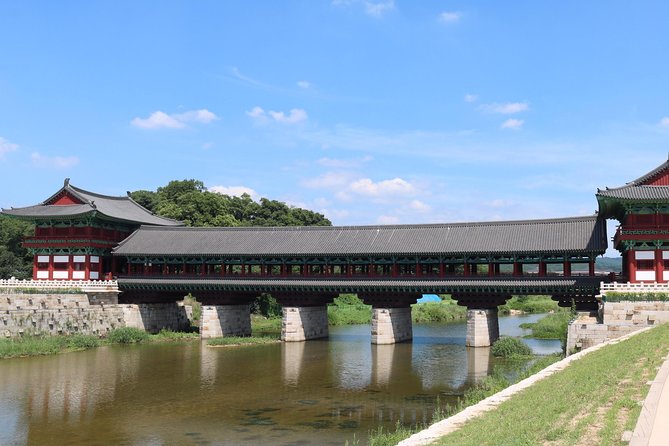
(117, 208)
(632, 192)
(637, 190)
(577, 234)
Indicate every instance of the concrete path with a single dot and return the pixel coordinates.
(454, 423)
(652, 428)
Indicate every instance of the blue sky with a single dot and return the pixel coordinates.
(368, 111)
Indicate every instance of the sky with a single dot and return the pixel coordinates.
(371, 112)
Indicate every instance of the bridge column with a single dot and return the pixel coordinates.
(391, 325)
(304, 323)
(391, 316)
(482, 320)
(225, 320)
(482, 327)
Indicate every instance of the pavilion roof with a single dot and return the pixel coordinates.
(123, 209)
(575, 235)
(652, 187)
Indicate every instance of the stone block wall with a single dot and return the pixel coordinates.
(302, 323)
(225, 320)
(62, 314)
(618, 319)
(391, 325)
(54, 314)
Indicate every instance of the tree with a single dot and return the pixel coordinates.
(15, 260)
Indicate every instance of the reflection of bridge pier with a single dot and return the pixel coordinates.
(292, 357)
(478, 363)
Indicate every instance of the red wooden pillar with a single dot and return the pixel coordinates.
(394, 270)
(442, 269)
(467, 270)
(517, 269)
(419, 269)
(591, 267)
(87, 267)
(35, 265)
(631, 266)
(70, 265)
(659, 266)
(542, 269)
(566, 268)
(491, 269)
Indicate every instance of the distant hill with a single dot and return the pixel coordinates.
(609, 264)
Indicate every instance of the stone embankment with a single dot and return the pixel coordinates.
(26, 311)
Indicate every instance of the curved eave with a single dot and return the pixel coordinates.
(539, 286)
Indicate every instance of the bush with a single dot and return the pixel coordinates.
(82, 342)
(266, 305)
(127, 335)
(443, 311)
(508, 347)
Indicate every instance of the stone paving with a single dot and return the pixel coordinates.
(451, 424)
(652, 428)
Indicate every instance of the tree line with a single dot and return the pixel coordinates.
(185, 200)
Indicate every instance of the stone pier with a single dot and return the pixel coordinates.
(155, 317)
(391, 325)
(303, 323)
(482, 327)
(225, 320)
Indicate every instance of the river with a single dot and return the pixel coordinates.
(317, 392)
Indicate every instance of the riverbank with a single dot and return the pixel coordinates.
(592, 401)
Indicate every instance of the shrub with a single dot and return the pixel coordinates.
(266, 305)
(508, 347)
(79, 341)
(127, 335)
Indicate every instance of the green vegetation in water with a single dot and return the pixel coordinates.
(529, 304)
(242, 340)
(508, 347)
(490, 385)
(127, 335)
(598, 396)
(552, 326)
(45, 345)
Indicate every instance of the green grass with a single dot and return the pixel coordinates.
(348, 309)
(445, 311)
(127, 335)
(508, 347)
(239, 340)
(592, 401)
(45, 345)
(552, 326)
(263, 325)
(529, 304)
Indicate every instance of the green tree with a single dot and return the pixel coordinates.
(15, 260)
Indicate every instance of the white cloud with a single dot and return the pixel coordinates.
(450, 17)
(387, 220)
(234, 191)
(513, 124)
(202, 116)
(396, 186)
(664, 122)
(419, 206)
(508, 108)
(471, 98)
(304, 84)
(295, 116)
(57, 162)
(377, 9)
(6, 147)
(161, 120)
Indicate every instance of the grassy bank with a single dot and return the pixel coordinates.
(49, 345)
(593, 401)
(239, 340)
(530, 305)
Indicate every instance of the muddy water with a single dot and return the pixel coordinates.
(316, 392)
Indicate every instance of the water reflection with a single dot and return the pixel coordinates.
(316, 392)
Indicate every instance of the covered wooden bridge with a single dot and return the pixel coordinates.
(480, 264)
